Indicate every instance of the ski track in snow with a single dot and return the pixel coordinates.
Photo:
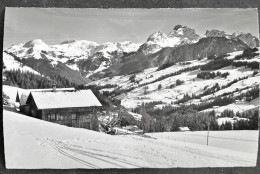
(162, 151)
(78, 153)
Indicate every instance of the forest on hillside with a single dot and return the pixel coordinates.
(170, 118)
(28, 80)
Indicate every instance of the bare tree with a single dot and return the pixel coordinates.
(145, 120)
(94, 121)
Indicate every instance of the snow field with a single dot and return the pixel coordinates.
(239, 140)
(33, 143)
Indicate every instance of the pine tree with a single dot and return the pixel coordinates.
(253, 121)
(228, 126)
(159, 87)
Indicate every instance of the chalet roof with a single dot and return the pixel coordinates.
(24, 94)
(64, 99)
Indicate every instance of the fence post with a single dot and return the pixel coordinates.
(208, 135)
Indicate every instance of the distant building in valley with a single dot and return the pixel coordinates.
(184, 129)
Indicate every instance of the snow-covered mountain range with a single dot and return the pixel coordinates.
(94, 60)
(112, 64)
(67, 51)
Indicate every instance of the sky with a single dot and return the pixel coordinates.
(55, 25)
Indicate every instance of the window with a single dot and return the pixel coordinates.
(48, 116)
(52, 116)
(73, 116)
(58, 116)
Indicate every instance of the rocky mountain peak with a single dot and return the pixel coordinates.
(184, 33)
(215, 33)
(248, 39)
(157, 36)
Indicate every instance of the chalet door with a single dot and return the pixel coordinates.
(26, 109)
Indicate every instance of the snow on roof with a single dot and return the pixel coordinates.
(24, 94)
(64, 99)
(50, 89)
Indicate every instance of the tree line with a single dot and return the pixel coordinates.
(196, 121)
(252, 65)
(216, 64)
(210, 90)
(211, 75)
(29, 80)
(222, 101)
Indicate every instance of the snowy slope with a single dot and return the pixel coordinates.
(192, 84)
(247, 140)
(32, 143)
(12, 64)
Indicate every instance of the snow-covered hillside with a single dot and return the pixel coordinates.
(33, 143)
(144, 87)
(11, 64)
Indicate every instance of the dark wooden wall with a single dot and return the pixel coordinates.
(63, 116)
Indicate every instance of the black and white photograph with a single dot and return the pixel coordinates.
(130, 88)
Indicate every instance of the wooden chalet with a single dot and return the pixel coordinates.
(74, 109)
